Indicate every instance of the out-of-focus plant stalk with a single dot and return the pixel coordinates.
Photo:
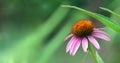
(112, 12)
(90, 48)
(105, 20)
(24, 47)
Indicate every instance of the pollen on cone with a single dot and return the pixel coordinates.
(82, 28)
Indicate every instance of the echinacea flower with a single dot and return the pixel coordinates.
(82, 32)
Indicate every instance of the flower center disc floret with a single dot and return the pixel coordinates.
(82, 28)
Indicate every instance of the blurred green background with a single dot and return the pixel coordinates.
(32, 31)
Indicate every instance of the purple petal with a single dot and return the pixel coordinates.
(84, 44)
(73, 45)
(70, 43)
(94, 42)
(100, 31)
(101, 36)
(76, 47)
(66, 38)
(98, 28)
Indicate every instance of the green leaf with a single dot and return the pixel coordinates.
(95, 56)
(26, 46)
(91, 50)
(105, 20)
(112, 12)
(99, 59)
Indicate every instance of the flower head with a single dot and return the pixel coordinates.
(82, 32)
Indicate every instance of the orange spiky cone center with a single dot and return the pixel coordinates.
(82, 28)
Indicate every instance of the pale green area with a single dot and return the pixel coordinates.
(33, 31)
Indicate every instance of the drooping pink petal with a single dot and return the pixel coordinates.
(94, 42)
(66, 38)
(84, 44)
(69, 45)
(73, 45)
(101, 36)
(98, 28)
(76, 47)
(99, 31)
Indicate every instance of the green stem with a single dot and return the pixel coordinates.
(92, 52)
(112, 12)
(103, 19)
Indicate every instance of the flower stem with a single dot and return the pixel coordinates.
(92, 52)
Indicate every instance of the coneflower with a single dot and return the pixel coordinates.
(82, 32)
